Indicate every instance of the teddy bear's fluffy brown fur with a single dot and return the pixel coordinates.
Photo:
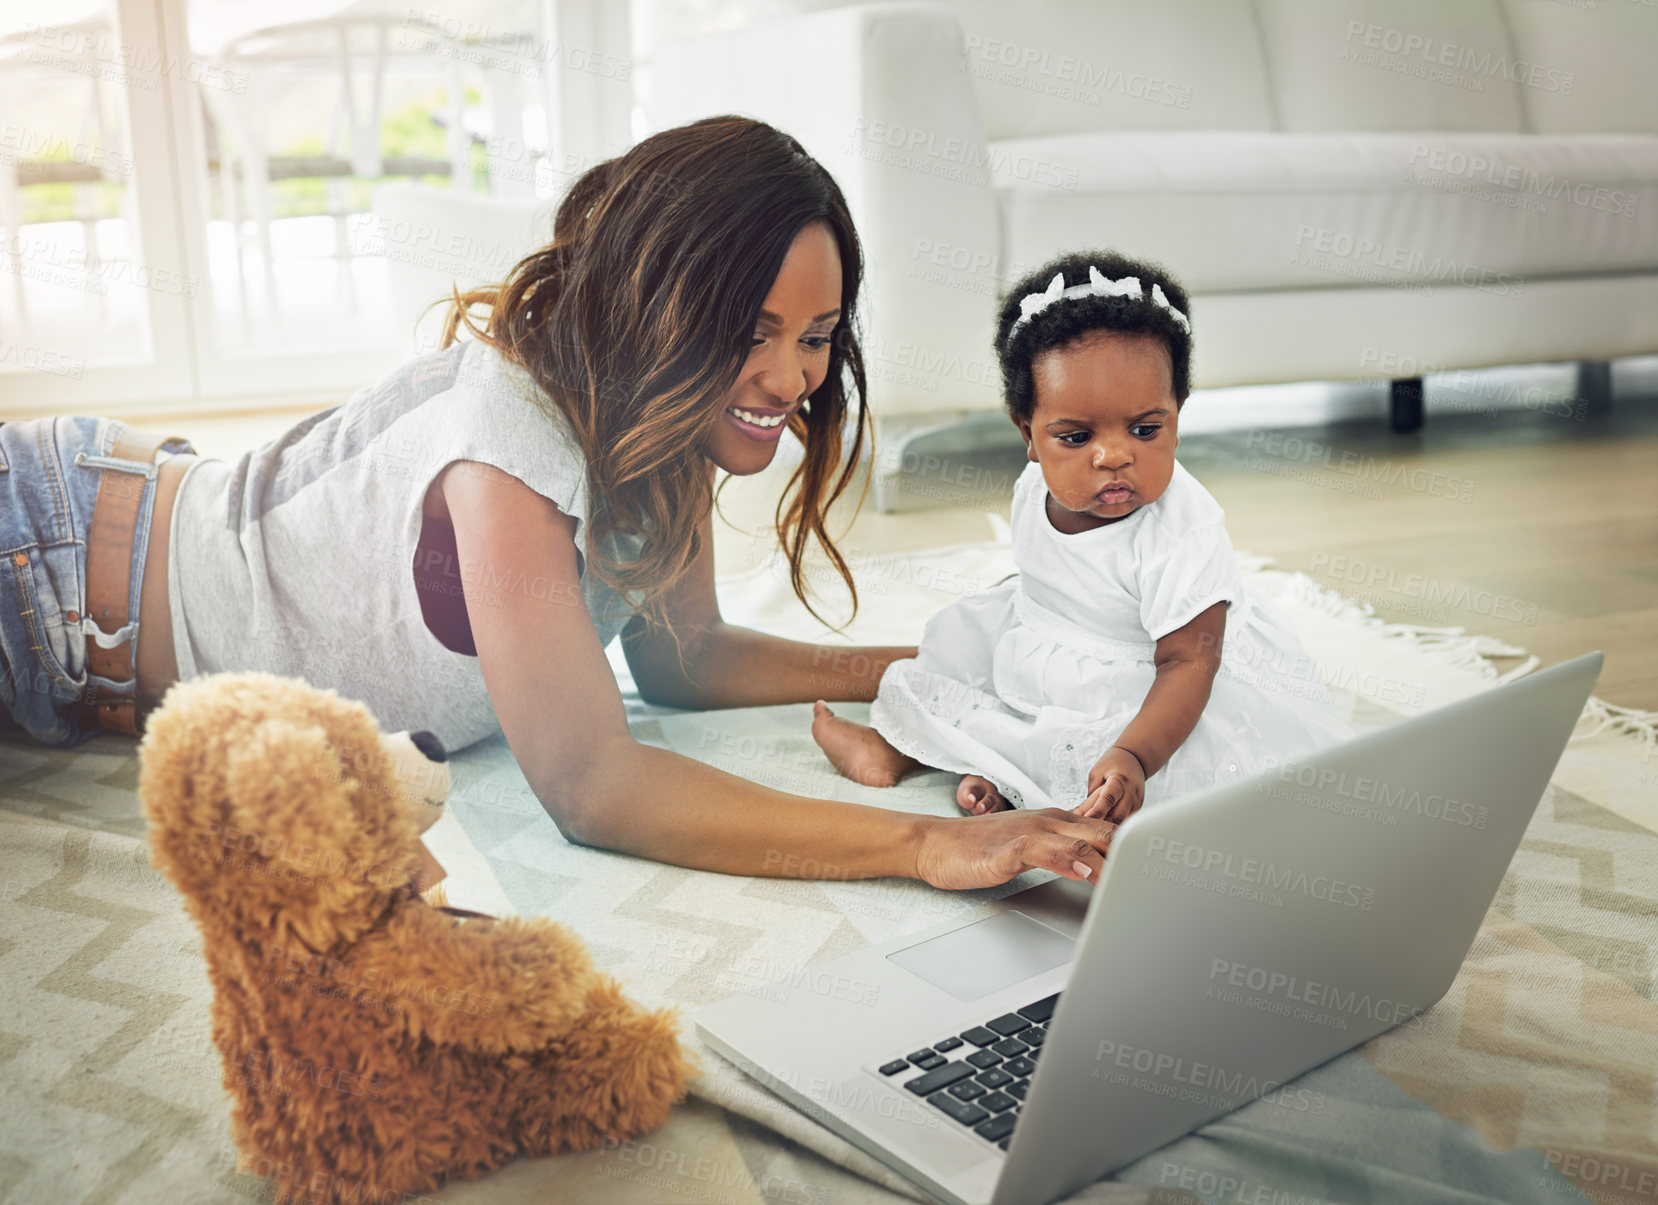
(373, 1045)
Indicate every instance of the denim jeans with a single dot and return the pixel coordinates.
(49, 473)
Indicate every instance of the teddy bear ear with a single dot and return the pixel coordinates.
(284, 783)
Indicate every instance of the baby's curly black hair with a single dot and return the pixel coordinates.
(1069, 320)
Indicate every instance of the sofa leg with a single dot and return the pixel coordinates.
(940, 459)
(1593, 392)
(1404, 404)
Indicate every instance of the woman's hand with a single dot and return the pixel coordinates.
(1116, 786)
(982, 851)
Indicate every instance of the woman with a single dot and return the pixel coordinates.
(456, 545)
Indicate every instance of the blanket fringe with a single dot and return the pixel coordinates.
(1603, 715)
(1456, 649)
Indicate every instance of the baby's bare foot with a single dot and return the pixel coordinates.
(979, 797)
(859, 753)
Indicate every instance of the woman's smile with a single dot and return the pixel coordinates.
(763, 424)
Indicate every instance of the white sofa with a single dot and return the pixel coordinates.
(1351, 189)
(438, 239)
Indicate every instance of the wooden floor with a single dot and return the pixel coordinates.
(1548, 537)
(1539, 530)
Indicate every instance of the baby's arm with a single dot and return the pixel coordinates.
(1187, 661)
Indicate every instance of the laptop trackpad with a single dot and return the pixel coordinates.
(975, 960)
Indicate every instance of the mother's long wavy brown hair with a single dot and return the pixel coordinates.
(637, 319)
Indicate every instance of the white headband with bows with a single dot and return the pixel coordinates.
(1098, 286)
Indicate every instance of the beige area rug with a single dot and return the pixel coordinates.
(1534, 1080)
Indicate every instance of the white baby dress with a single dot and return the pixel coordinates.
(1029, 682)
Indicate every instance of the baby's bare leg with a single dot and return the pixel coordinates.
(858, 752)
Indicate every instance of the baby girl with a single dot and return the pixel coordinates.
(1125, 662)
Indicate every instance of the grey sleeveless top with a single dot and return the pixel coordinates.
(298, 558)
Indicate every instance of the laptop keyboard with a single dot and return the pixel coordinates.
(979, 1077)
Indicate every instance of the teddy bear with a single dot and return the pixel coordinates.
(374, 1045)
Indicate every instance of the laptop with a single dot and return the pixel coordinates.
(1237, 937)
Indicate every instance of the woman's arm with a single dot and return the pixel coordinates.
(730, 666)
(740, 667)
(1187, 660)
(562, 714)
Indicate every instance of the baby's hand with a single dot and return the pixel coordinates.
(1116, 787)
